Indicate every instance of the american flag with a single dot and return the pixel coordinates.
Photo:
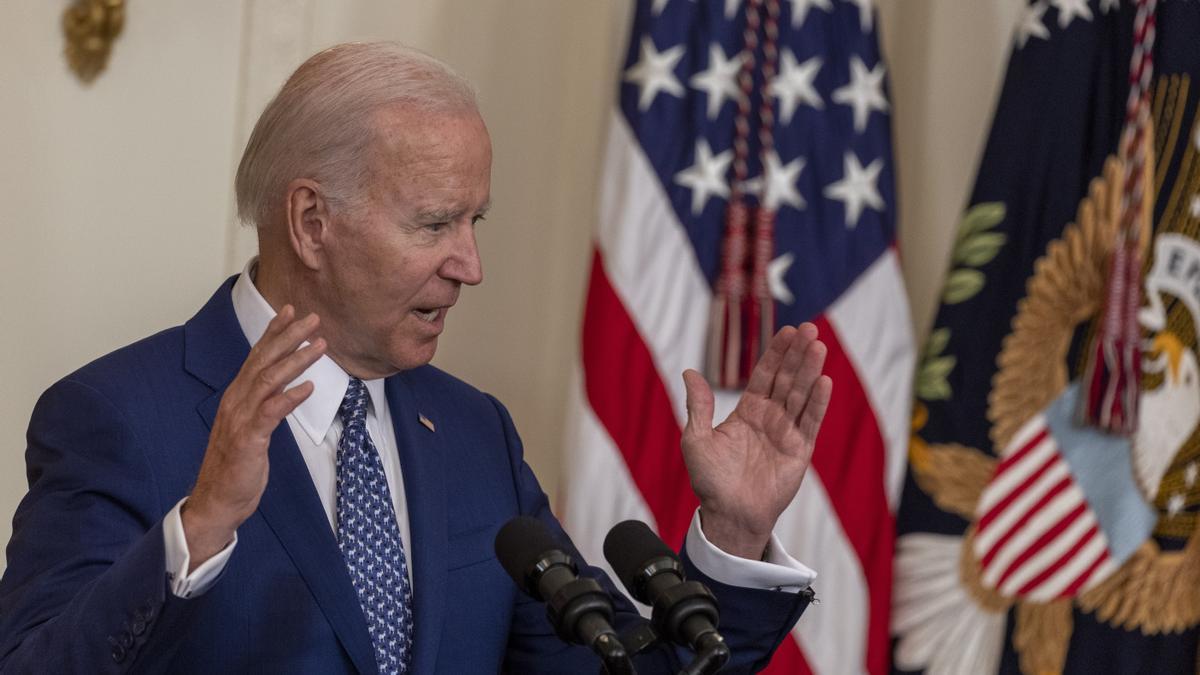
(827, 173)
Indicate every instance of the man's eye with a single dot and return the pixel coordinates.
(436, 227)
(478, 219)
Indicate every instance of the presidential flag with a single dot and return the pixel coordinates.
(1049, 519)
(748, 184)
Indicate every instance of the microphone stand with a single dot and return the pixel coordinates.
(642, 637)
(710, 659)
(584, 604)
(614, 658)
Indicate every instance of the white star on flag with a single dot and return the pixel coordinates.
(800, 10)
(654, 72)
(657, 7)
(720, 80)
(1106, 5)
(780, 183)
(857, 188)
(865, 14)
(794, 85)
(777, 269)
(706, 177)
(1175, 504)
(1069, 9)
(864, 92)
(1190, 474)
(731, 7)
(1031, 24)
(1195, 206)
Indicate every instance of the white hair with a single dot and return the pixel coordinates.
(320, 124)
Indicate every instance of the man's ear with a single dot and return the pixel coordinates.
(308, 221)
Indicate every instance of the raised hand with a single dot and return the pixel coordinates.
(747, 470)
(234, 472)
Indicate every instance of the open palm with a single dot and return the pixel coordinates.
(748, 469)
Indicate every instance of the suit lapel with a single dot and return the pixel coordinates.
(214, 349)
(421, 460)
(292, 509)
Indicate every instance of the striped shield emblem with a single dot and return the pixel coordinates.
(1062, 511)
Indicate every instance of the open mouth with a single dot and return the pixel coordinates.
(428, 315)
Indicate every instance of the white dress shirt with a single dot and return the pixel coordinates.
(317, 429)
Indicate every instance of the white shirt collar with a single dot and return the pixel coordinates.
(317, 413)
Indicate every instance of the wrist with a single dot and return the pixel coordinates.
(733, 536)
(205, 531)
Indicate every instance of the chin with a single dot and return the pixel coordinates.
(414, 356)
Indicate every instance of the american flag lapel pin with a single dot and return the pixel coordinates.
(428, 423)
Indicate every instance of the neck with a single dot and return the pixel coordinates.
(274, 281)
(280, 283)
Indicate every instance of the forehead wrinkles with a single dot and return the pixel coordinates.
(408, 139)
(428, 135)
(419, 158)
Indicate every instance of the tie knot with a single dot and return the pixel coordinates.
(354, 403)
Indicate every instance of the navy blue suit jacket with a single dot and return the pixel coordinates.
(113, 446)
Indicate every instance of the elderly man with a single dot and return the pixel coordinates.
(283, 483)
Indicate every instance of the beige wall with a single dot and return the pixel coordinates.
(113, 197)
(116, 197)
(946, 59)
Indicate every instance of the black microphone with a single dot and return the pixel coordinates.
(578, 607)
(684, 612)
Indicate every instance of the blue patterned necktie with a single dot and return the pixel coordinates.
(370, 537)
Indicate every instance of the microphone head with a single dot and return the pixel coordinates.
(521, 544)
(629, 547)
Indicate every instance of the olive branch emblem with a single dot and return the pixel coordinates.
(975, 246)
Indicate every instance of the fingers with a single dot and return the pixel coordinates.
(271, 380)
(814, 412)
(282, 404)
(793, 361)
(699, 401)
(276, 360)
(798, 385)
(279, 321)
(805, 377)
(283, 335)
(762, 378)
(282, 319)
(282, 338)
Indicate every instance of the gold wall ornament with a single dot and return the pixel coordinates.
(90, 28)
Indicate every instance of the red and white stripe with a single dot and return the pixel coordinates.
(645, 322)
(1036, 537)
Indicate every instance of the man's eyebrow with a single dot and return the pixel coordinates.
(445, 215)
(435, 215)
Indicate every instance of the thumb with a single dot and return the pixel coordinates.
(699, 402)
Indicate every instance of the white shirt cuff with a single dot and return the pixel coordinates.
(777, 570)
(185, 585)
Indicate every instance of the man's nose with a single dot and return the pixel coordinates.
(464, 265)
